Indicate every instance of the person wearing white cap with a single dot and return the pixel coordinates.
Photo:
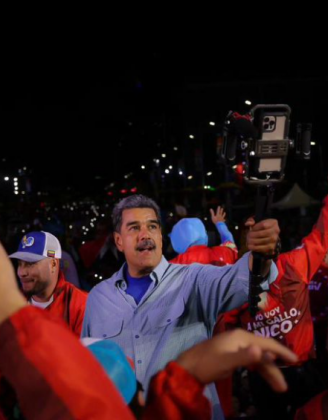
(43, 282)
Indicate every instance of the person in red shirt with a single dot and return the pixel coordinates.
(319, 306)
(318, 289)
(43, 282)
(285, 316)
(44, 285)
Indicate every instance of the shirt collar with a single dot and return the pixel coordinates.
(156, 275)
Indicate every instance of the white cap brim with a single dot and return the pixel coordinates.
(27, 256)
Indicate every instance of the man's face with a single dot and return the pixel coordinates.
(140, 239)
(36, 277)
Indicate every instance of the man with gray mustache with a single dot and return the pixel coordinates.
(155, 310)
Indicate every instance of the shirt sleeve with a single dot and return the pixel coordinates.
(175, 394)
(303, 262)
(221, 289)
(224, 232)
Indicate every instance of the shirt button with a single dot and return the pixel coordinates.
(136, 336)
(139, 361)
(104, 335)
(168, 320)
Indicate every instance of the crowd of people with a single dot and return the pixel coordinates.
(182, 327)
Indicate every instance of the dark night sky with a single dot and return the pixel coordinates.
(75, 115)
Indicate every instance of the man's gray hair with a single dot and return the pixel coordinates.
(137, 201)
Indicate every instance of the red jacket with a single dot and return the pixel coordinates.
(202, 254)
(68, 304)
(285, 309)
(319, 295)
(55, 377)
(315, 409)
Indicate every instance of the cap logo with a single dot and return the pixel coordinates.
(27, 241)
(51, 253)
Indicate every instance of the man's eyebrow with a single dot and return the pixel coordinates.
(136, 222)
(154, 221)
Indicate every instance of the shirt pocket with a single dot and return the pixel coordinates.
(108, 328)
(166, 315)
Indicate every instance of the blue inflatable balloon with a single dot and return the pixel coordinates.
(117, 367)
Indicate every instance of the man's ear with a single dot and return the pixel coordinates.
(118, 241)
(54, 264)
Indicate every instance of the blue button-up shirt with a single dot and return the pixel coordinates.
(179, 309)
